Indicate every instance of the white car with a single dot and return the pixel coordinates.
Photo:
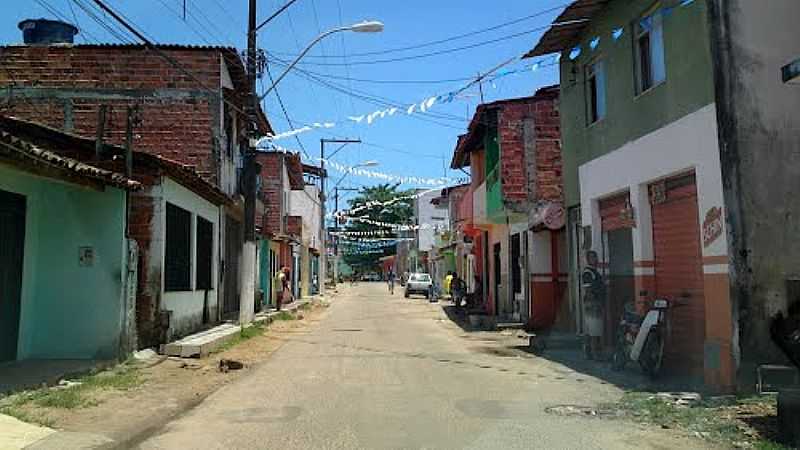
(419, 283)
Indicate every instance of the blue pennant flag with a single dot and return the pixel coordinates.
(575, 53)
(594, 43)
(617, 33)
(686, 2)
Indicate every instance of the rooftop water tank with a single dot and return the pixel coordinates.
(46, 31)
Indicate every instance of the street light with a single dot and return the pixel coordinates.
(368, 26)
(370, 163)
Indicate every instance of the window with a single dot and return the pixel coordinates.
(204, 245)
(596, 91)
(649, 47)
(178, 255)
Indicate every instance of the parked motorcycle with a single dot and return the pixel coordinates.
(641, 339)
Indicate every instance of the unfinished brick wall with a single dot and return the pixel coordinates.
(142, 220)
(294, 226)
(530, 142)
(64, 86)
(271, 191)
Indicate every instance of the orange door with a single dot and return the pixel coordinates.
(679, 270)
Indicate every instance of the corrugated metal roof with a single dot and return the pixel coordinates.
(564, 31)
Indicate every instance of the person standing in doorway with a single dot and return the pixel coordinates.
(282, 283)
(594, 293)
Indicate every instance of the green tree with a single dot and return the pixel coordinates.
(399, 212)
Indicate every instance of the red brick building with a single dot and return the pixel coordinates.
(197, 122)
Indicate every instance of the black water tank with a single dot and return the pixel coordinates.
(45, 31)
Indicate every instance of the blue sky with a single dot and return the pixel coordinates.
(403, 145)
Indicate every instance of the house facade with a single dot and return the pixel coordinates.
(656, 164)
(291, 223)
(67, 270)
(96, 90)
(513, 150)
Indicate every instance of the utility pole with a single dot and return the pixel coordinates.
(336, 228)
(480, 85)
(322, 200)
(247, 281)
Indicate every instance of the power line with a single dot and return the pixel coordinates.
(436, 53)
(372, 98)
(285, 113)
(452, 38)
(92, 14)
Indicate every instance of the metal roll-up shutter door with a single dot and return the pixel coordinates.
(679, 270)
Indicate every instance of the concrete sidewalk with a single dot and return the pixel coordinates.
(15, 434)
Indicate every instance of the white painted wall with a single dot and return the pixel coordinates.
(686, 144)
(540, 262)
(305, 203)
(428, 213)
(187, 306)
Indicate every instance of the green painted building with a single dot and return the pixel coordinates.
(64, 275)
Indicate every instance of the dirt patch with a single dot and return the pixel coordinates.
(736, 422)
(162, 390)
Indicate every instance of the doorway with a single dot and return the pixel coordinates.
(12, 244)
(497, 274)
(233, 246)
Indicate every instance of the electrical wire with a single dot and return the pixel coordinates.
(285, 113)
(109, 29)
(432, 54)
(451, 38)
(377, 100)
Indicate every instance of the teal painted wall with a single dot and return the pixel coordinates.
(264, 272)
(688, 87)
(70, 311)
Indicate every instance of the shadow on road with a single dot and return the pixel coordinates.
(565, 349)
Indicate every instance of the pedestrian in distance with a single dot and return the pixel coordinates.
(390, 280)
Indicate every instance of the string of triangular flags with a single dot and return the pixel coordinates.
(375, 203)
(616, 33)
(422, 106)
(361, 233)
(342, 168)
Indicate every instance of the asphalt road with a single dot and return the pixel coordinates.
(385, 372)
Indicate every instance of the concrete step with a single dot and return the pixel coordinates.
(201, 344)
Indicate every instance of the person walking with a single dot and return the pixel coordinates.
(594, 304)
(282, 282)
(448, 283)
(390, 280)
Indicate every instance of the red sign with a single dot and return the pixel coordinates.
(712, 226)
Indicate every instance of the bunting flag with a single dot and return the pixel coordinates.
(374, 204)
(341, 168)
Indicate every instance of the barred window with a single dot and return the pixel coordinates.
(204, 244)
(178, 254)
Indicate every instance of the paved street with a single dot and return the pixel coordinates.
(386, 372)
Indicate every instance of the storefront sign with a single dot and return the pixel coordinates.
(712, 226)
(554, 216)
